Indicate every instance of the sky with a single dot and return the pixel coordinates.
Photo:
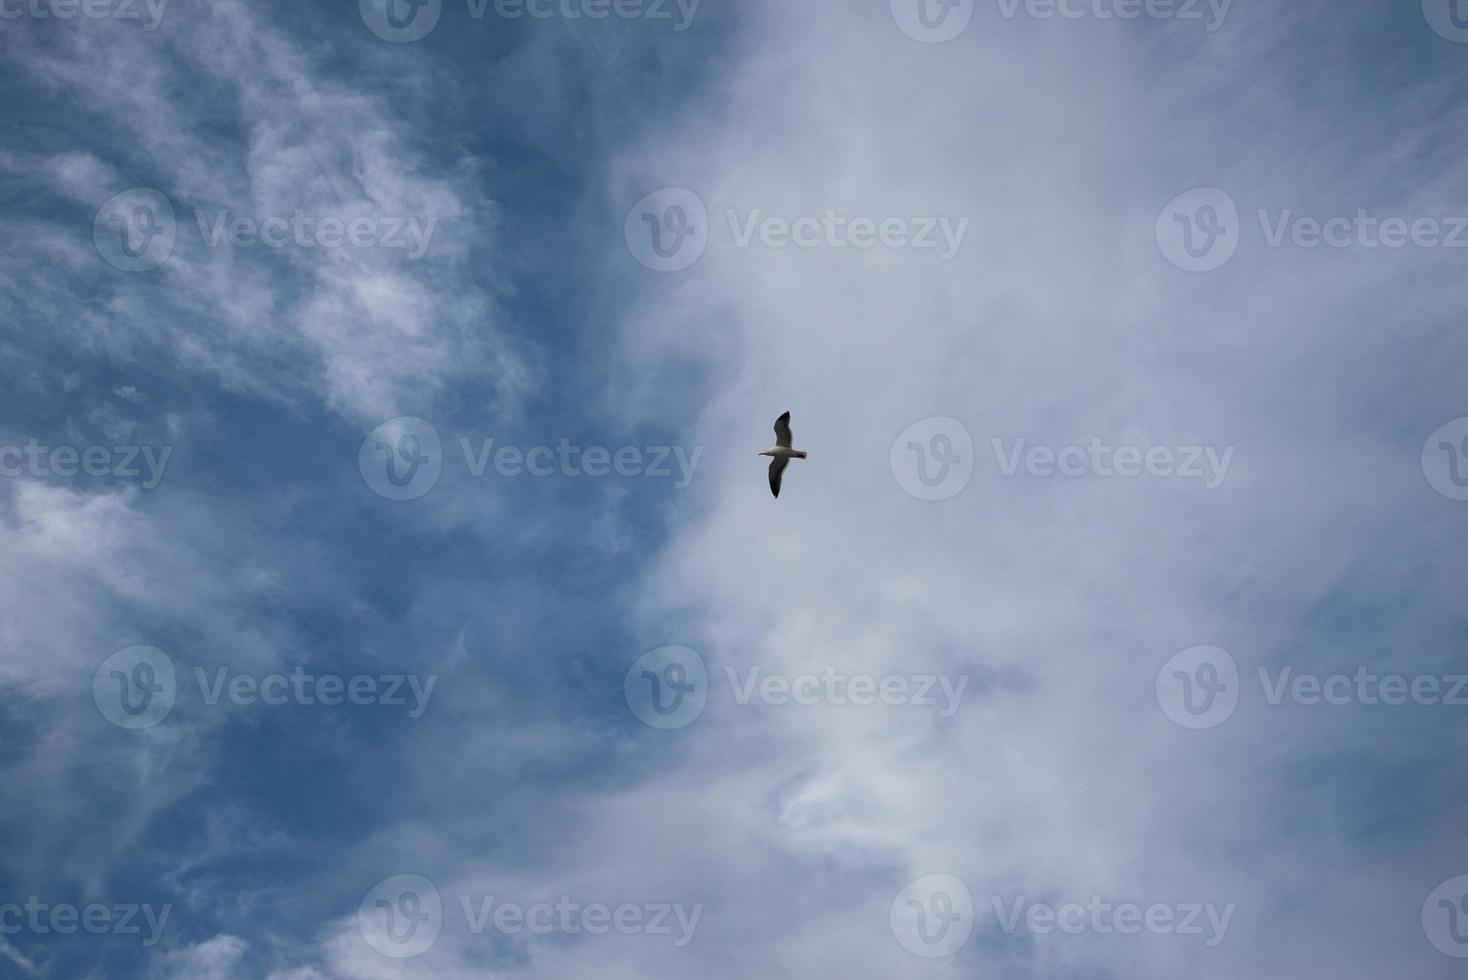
(392, 589)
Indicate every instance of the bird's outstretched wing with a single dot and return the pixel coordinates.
(777, 472)
(783, 439)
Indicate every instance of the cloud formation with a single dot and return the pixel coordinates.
(1120, 211)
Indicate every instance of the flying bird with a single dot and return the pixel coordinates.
(782, 453)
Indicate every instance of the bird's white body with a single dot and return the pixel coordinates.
(781, 453)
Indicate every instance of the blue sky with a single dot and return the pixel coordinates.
(1128, 351)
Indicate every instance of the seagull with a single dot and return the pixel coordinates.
(782, 452)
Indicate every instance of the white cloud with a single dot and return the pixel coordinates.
(79, 175)
(1059, 321)
(13, 955)
(369, 331)
(213, 959)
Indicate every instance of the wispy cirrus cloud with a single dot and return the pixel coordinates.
(363, 329)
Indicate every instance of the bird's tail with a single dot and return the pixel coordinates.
(799, 454)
